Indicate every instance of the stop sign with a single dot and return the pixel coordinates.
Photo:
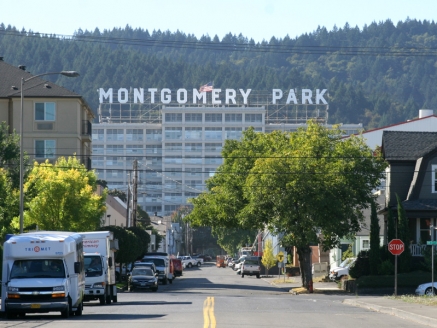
(396, 246)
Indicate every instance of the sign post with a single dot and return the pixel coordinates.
(280, 258)
(396, 247)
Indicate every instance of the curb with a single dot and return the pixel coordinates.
(392, 311)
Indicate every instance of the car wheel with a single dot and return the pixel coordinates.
(79, 310)
(242, 275)
(66, 313)
(258, 276)
(198, 264)
(11, 315)
(155, 289)
(21, 314)
(428, 291)
(189, 265)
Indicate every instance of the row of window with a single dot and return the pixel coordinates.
(156, 149)
(99, 161)
(213, 117)
(169, 132)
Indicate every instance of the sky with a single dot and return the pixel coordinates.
(256, 19)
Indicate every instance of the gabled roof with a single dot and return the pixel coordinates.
(10, 84)
(407, 146)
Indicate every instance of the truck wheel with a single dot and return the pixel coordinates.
(79, 310)
(102, 300)
(258, 276)
(189, 265)
(198, 264)
(242, 275)
(66, 313)
(114, 299)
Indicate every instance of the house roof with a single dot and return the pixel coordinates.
(10, 84)
(420, 205)
(407, 146)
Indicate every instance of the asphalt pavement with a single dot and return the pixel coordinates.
(422, 314)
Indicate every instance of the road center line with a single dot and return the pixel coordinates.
(208, 313)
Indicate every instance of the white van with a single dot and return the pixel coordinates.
(43, 272)
(343, 269)
(162, 264)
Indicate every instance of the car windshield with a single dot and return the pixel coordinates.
(93, 266)
(346, 263)
(158, 262)
(37, 269)
(142, 272)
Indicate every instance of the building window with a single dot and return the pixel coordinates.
(98, 149)
(212, 133)
(153, 149)
(193, 147)
(190, 117)
(213, 147)
(173, 133)
(213, 117)
(98, 161)
(253, 118)
(115, 134)
(193, 133)
(45, 111)
(45, 148)
(173, 146)
(134, 134)
(173, 117)
(233, 117)
(434, 179)
(366, 244)
(134, 149)
(154, 134)
(233, 133)
(98, 134)
(114, 149)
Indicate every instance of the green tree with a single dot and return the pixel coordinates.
(391, 226)
(374, 258)
(404, 235)
(268, 259)
(142, 217)
(299, 183)
(118, 193)
(8, 204)
(144, 241)
(62, 197)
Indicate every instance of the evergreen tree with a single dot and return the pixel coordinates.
(404, 235)
(374, 258)
(391, 226)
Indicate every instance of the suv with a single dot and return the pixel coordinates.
(250, 267)
(162, 267)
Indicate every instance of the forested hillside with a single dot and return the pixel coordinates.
(378, 75)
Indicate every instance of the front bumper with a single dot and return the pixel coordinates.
(93, 293)
(144, 285)
(36, 305)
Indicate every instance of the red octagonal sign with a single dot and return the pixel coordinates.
(396, 246)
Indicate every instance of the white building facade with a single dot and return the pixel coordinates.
(179, 147)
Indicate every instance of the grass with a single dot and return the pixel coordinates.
(422, 300)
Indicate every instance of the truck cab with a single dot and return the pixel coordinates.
(43, 272)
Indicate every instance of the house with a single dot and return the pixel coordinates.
(56, 121)
(412, 175)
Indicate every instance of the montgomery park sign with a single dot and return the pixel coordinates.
(215, 97)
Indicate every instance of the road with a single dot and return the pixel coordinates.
(217, 297)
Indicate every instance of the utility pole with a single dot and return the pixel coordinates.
(128, 203)
(135, 193)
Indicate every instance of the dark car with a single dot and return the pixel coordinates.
(142, 278)
(149, 265)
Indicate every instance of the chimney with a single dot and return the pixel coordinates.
(425, 112)
(22, 67)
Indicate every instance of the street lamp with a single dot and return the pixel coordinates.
(65, 73)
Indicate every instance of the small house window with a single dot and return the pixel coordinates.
(434, 178)
(366, 244)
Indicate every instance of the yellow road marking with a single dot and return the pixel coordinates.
(208, 313)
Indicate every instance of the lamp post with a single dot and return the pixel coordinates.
(65, 73)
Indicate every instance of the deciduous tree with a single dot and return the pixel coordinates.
(268, 259)
(298, 184)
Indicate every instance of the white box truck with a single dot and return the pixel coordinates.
(43, 272)
(99, 258)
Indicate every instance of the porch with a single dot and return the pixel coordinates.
(418, 249)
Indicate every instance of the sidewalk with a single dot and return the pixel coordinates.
(422, 314)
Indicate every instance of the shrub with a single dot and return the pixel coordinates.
(386, 268)
(360, 268)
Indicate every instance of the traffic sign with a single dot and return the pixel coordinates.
(280, 256)
(396, 246)
(434, 242)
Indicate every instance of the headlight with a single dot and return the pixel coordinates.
(153, 280)
(99, 285)
(12, 289)
(58, 288)
(134, 279)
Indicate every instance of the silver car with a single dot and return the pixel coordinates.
(426, 289)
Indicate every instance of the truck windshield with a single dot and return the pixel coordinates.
(93, 266)
(23, 269)
(158, 262)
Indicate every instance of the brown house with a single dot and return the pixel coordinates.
(56, 121)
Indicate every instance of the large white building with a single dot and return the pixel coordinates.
(178, 147)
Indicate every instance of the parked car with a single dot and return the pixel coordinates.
(426, 289)
(205, 257)
(343, 269)
(142, 278)
(145, 264)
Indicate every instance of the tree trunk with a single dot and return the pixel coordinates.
(305, 266)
